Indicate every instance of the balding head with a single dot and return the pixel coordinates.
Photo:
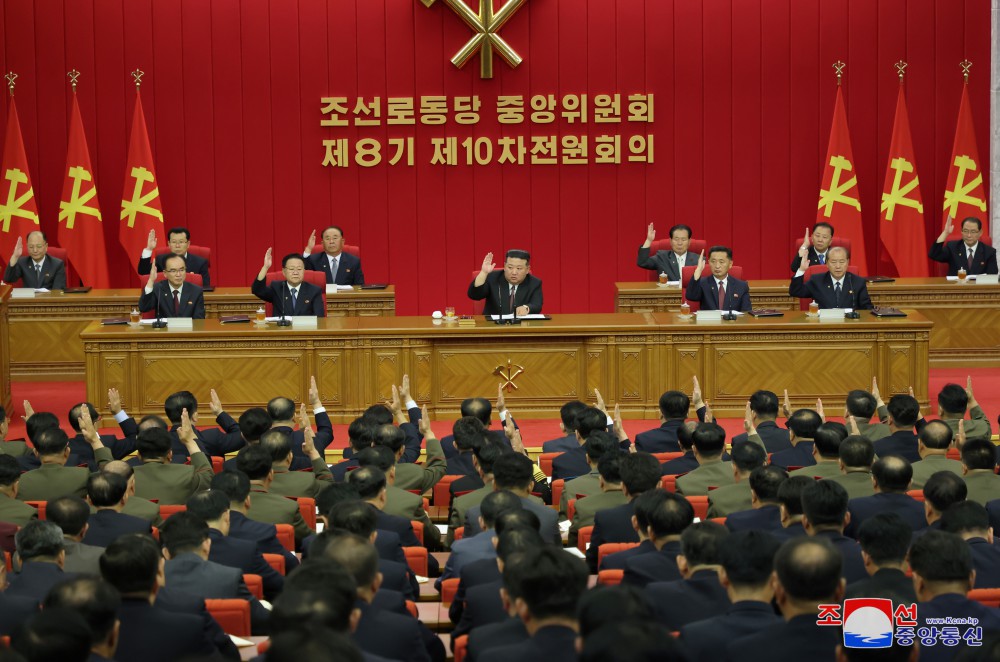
(807, 572)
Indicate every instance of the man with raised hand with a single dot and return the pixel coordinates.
(817, 243)
(340, 267)
(670, 262)
(967, 253)
(719, 290)
(178, 241)
(175, 296)
(513, 288)
(37, 269)
(837, 288)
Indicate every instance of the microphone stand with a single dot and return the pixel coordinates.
(159, 323)
(283, 321)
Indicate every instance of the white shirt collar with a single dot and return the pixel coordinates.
(972, 248)
(682, 258)
(841, 281)
(723, 281)
(37, 264)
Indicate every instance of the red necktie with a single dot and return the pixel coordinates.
(722, 295)
(968, 260)
(177, 304)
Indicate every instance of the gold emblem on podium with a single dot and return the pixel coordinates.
(508, 374)
(486, 24)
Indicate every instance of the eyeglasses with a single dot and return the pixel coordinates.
(175, 271)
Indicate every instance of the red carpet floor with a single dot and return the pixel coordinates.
(58, 397)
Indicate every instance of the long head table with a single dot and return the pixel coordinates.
(966, 316)
(631, 357)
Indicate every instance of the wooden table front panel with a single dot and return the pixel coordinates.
(5, 397)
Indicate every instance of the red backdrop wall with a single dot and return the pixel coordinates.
(744, 94)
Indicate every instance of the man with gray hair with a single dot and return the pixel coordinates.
(838, 288)
(41, 548)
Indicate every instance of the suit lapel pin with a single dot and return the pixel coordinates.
(307, 300)
(347, 270)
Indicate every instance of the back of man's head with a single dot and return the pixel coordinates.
(478, 407)
(804, 423)
(378, 415)
(568, 413)
(824, 503)
(966, 518)
(936, 435)
(91, 597)
(700, 543)
(255, 461)
(631, 641)
(177, 402)
(312, 607)
(640, 472)
(979, 454)
(76, 411)
(685, 435)
(52, 634)
(827, 440)
(361, 433)
(765, 482)
(468, 432)
(550, 582)
(183, 532)
(709, 439)
(513, 471)
(861, 404)
(764, 404)
(39, 540)
(377, 456)
(152, 421)
(885, 537)
(496, 504)
(892, 473)
(130, 564)
(233, 483)
(939, 556)
(281, 409)
(391, 437)
(790, 493)
(153, 443)
(316, 644)
(599, 443)
(603, 605)
(69, 513)
(357, 517)
(209, 506)
(668, 514)
(333, 495)
(10, 470)
(487, 454)
(355, 554)
(253, 423)
(610, 468)
(590, 420)
(748, 558)
(674, 404)
(39, 422)
(517, 518)
(277, 442)
(51, 441)
(106, 489)
(904, 410)
(808, 569)
(952, 399)
(943, 489)
(856, 452)
(119, 468)
(748, 456)
(368, 481)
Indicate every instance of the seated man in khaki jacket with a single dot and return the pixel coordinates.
(158, 478)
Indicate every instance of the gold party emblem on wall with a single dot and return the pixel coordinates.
(486, 24)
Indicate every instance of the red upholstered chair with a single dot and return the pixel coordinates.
(816, 270)
(348, 248)
(317, 278)
(666, 457)
(545, 462)
(700, 505)
(256, 585)
(8, 561)
(461, 647)
(916, 494)
(442, 494)
(72, 278)
(416, 558)
(954, 454)
(286, 536)
(40, 506)
(168, 510)
(418, 530)
(583, 537)
(669, 483)
(459, 533)
(696, 246)
(232, 615)
(557, 489)
(411, 607)
(613, 548)
(570, 509)
(217, 464)
(276, 561)
(449, 588)
(989, 597)
(719, 520)
(610, 577)
(307, 507)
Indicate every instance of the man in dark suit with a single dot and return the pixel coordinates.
(512, 290)
(546, 586)
(134, 565)
(818, 243)
(943, 573)
(824, 510)
(226, 438)
(119, 448)
(281, 411)
(763, 416)
(514, 472)
(686, 462)
(36, 269)
(806, 575)
(668, 516)
(468, 433)
(674, 406)
(718, 291)
(178, 241)
(699, 594)
(640, 473)
(670, 262)
(884, 539)
(340, 267)
(236, 485)
(481, 409)
(186, 545)
(838, 288)
(970, 520)
(764, 513)
(42, 551)
(573, 463)
(98, 603)
(173, 297)
(292, 296)
(108, 493)
(943, 490)
(891, 476)
(802, 426)
(747, 560)
(968, 253)
(642, 508)
(567, 423)
(213, 508)
(904, 410)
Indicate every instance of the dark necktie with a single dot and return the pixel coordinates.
(722, 295)
(295, 294)
(968, 261)
(334, 265)
(822, 258)
(38, 275)
(177, 303)
(836, 292)
(513, 291)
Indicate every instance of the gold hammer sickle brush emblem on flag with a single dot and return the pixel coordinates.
(486, 24)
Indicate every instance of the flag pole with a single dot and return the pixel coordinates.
(137, 75)
(11, 77)
(966, 65)
(73, 76)
(901, 68)
(839, 67)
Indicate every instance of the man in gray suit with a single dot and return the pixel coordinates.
(669, 262)
(933, 443)
(862, 405)
(36, 269)
(709, 443)
(70, 514)
(979, 462)
(736, 497)
(856, 456)
(599, 443)
(186, 545)
(515, 472)
(610, 495)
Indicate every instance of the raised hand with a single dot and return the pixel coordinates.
(488, 264)
(852, 425)
(308, 447)
(310, 243)
(151, 281)
(806, 242)
(114, 401)
(960, 435)
(404, 390)
(28, 411)
(600, 402)
(314, 393)
(803, 258)
(88, 429)
(18, 252)
(875, 391)
(819, 409)
(215, 404)
(186, 433)
(701, 264)
(513, 434)
(968, 392)
(949, 227)
(748, 426)
(786, 405)
(267, 259)
(151, 241)
(424, 424)
(394, 405)
(709, 416)
(650, 234)
(501, 400)
(696, 398)
(619, 427)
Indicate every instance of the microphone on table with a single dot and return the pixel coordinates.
(159, 323)
(282, 321)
